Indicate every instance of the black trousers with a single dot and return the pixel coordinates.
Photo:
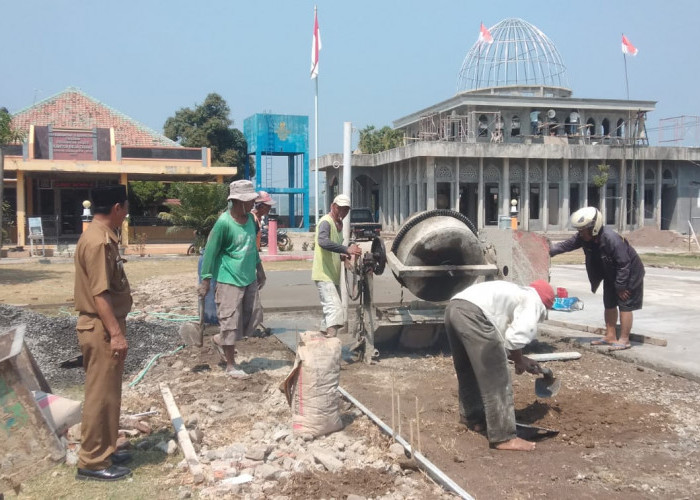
(481, 362)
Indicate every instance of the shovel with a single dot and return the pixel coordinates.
(191, 333)
(548, 385)
(532, 432)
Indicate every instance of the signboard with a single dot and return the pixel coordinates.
(73, 144)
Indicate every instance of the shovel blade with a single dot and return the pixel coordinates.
(547, 386)
(532, 432)
(189, 334)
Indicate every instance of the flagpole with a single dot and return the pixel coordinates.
(316, 152)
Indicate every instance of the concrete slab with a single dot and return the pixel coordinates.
(671, 311)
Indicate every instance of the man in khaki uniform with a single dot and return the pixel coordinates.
(103, 299)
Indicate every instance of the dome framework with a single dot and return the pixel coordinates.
(520, 59)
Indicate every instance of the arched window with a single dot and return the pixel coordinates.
(535, 123)
(649, 175)
(620, 129)
(590, 127)
(515, 126)
(572, 122)
(606, 127)
(483, 126)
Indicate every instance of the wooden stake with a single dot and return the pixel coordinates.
(398, 410)
(393, 428)
(410, 423)
(183, 436)
(420, 449)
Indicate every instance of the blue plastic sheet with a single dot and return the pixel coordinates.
(567, 304)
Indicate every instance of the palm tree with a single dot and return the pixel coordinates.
(198, 208)
(8, 135)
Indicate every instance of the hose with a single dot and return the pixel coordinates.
(143, 372)
(174, 317)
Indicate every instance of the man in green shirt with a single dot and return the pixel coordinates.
(328, 252)
(231, 258)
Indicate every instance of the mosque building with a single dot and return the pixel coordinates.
(515, 131)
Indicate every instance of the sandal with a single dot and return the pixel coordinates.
(601, 342)
(219, 349)
(236, 373)
(619, 346)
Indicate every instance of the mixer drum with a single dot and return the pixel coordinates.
(438, 238)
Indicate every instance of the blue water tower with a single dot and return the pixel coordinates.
(270, 136)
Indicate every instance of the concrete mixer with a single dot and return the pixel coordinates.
(435, 255)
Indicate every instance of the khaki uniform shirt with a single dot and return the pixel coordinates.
(99, 268)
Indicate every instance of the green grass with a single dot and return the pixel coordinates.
(154, 476)
(671, 260)
(679, 260)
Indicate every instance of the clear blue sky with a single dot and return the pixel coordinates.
(381, 60)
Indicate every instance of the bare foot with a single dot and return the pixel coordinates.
(515, 444)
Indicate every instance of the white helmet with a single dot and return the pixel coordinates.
(587, 217)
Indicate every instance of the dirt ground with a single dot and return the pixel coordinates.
(624, 432)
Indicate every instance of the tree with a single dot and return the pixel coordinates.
(198, 208)
(8, 135)
(209, 125)
(373, 141)
(147, 196)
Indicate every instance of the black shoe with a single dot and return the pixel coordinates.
(112, 473)
(121, 457)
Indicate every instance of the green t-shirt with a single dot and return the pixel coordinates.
(231, 255)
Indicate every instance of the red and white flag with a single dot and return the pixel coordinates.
(315, 47)
(627, 47)
(485, 35)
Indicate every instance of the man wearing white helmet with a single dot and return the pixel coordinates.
(612, 260)
(328, 252)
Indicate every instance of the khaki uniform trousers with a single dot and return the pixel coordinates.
(103, 393)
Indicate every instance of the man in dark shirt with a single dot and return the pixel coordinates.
(612, 260)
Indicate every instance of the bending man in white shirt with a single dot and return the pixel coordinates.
(487, 324)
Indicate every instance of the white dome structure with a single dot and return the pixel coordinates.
(522, 60)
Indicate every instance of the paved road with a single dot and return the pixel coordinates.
(671, 311)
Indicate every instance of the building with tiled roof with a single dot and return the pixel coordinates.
(74, 109)
(75, 143)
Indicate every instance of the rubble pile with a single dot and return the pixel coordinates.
(241, 432)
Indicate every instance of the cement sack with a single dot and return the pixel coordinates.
(60, 413)
(312, 386)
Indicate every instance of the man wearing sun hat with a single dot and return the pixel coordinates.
(263, 204)
(488, 324)
(231, 258)
(328, 252)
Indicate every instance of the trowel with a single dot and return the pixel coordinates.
(548, 385)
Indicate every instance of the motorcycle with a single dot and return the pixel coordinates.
(283, 241)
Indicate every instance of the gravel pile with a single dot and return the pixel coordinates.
(52, 340)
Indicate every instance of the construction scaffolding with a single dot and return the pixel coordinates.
(679, 129)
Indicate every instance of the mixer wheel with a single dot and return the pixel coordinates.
(379, 255)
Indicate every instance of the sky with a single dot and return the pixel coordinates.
(380, 59)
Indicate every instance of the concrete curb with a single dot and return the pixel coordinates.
(630, 356)
(285, 257)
